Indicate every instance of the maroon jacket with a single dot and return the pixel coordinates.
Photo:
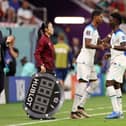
(44, 53)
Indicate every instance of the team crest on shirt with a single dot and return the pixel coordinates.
(88, 32)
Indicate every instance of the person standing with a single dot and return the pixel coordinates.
(28, 68)
(63, 58)
(11, 53)
(86, 74)
(117, 66)
(44, 52)
(24, 14)
(76, 46)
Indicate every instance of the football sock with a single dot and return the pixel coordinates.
(90, 89)
(80, 88)
(112, 94)
(119, 99)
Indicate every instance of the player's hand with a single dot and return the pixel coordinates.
(101, 46)
(43, 69)
(107, 45)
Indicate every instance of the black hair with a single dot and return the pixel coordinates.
(41, 30)
(44, 25)
(117, 16)
(23, 60)
(96, 13)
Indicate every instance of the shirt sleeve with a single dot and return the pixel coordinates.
(88, 33)
(39, 49)
(122, 37)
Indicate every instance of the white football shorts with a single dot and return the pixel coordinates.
(86, 72)
(117, 69)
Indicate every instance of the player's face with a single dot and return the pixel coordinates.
(50, 29)
(99, 19)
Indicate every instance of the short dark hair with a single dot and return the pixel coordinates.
(23, 60)
(117, 16)
(96, 13)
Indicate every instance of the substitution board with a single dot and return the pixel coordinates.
(44, 97)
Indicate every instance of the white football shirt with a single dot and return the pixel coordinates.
(87, 55)
(117, 38)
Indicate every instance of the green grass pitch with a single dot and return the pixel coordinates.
(98, 106)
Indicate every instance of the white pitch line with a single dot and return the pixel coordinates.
(37, 122)
(44, 121)
(89, 109)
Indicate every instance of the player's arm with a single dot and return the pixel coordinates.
(106, 39)
(122, 39)
(89, 45)
(121, 47)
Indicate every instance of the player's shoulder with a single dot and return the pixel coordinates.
(89, 27)
(119, 32)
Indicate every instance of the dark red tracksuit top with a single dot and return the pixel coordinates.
(44, 53)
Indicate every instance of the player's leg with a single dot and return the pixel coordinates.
(111, 76)
(80, 87)
(119, 98)
(59, 75)
(93, 84)
(88, 92)
(117, 85)
(122, 67)
(82, 73)
(90, 89)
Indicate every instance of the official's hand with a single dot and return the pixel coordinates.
(43, 69)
